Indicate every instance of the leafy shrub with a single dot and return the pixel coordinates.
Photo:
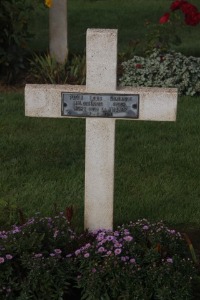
(14, 34)
(45, 259)
(163, 37)
(45, 69)
(164, 70)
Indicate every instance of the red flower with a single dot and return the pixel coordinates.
(138, 66)
(192, 19)
(177, 4)
(162, 58)
(164, 18)
(192, 15)
(188, 8)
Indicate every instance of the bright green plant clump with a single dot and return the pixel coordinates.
(164, 70)
(77, 69)
(45, 259)
(45, 69)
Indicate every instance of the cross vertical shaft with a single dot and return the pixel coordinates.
(100, 132)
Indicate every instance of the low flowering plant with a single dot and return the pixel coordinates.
(160, 69)
(45, 259)
(33, 258)
(137, 261)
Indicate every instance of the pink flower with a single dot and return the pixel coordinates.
(123, 258)
(145, 227)
(37, 255)
(170, 260)
(126, 231)
(77, 252)
(117, 245)
(56, 233)
(164, 18)
(132, 260)
(101, 249)
(2, 260)
(57, 251)
(117, 251)
(86, 255)
(69, 255)
(9, 256)
(128, 238)
(110, 238)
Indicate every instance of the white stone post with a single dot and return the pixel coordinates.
(58, 44)
(100, 133)
(155, 104)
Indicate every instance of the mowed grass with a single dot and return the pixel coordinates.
(157, 169)
(157, 164)
(129, 17)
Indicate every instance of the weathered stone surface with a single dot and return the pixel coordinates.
(99, 173)
(58, 44)
(155, 104)
(101, 57)
(100, 133)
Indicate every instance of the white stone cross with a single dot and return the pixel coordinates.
(155, 104)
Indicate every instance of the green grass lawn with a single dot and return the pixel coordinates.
(157, 169)
(129, 17)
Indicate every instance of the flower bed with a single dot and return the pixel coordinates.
(164, 70)
(45, 259)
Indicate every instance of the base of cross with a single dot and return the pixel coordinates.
(154, 104)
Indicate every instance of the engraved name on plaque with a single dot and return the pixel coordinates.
(100, 105)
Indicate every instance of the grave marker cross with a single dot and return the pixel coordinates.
(155, 104)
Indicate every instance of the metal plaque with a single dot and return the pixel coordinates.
(100, 105)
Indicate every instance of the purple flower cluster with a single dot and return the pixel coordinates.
(54, 229)
(16, 229)
(109, 244)
(5, 258)
(119, 246)
(131, 245)
(3, 235)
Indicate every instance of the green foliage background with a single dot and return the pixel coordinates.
(130, 17)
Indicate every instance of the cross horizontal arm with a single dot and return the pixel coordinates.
(155, 104)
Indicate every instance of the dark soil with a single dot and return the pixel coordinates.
(11, 88)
